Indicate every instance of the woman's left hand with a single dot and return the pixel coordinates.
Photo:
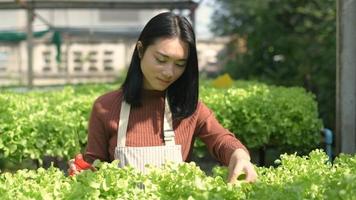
(239, 164)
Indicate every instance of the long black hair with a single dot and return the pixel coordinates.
(183, 93)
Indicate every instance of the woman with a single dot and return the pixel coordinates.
(155, 115)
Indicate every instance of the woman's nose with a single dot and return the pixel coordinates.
(168, 72)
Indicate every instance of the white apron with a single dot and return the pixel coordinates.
(138, 157)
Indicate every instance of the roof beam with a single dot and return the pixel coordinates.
(102, 4)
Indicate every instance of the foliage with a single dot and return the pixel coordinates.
(41, 123)
(308, 177)
(262, 115)
(54, 123)
(290, 43)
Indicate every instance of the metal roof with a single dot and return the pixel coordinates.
(123, 32)
(99, 4)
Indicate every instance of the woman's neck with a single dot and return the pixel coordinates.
(152, 93)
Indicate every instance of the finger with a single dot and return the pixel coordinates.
(234, 174)
(73, 169)
(71, 161)
(79, 157)
(71, 165)
(251, 175)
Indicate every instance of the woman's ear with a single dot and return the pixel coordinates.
(139, 47)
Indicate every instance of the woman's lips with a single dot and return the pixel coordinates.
(163, 81)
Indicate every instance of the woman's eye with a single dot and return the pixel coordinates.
(180, 64)
(160, 60)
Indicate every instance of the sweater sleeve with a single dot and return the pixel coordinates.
(221, 143)
(98, 139)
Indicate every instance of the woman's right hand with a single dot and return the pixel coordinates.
(72, 169)
(78, 164)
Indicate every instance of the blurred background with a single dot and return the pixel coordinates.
(289, 42)
(75, 43)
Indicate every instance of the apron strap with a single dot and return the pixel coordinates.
(168, 132)
(123, 122)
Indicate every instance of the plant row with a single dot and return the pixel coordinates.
(308, 177)
(262, 115)
(54, 122)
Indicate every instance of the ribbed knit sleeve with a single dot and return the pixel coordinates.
(220, 142)
(98, 135)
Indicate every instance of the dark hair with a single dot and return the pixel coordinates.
(183, 93)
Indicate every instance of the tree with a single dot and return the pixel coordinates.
(290, 43)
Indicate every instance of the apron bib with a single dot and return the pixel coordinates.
(138, 157)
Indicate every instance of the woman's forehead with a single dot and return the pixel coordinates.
(170, 47)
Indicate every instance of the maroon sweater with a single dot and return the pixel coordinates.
(145, 128)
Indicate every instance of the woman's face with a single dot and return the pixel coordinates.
(163, 62)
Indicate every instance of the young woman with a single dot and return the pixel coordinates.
(155, 115)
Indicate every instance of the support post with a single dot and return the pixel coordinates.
(346, 77)
(30, 18)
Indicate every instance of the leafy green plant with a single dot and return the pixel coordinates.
(307, 177)
(262, 115)
(54, 123)
(44, 123)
